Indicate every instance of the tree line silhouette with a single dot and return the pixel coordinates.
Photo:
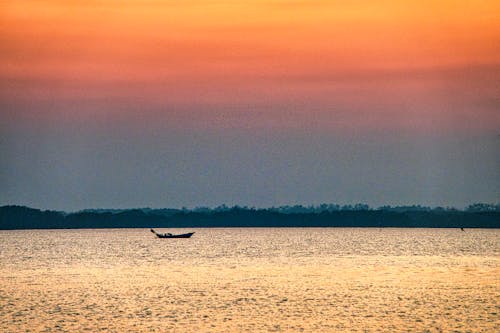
(325, 215)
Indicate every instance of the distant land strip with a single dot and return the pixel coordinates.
(475, 216)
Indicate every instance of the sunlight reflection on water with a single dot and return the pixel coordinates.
(305, 279)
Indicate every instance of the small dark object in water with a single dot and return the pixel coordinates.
(169, 235)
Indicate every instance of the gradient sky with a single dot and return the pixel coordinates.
(188, 103)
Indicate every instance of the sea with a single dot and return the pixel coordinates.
(251, 280)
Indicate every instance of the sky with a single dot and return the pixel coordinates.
(147, 103)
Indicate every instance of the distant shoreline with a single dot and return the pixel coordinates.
(247, 227)
(22, 218)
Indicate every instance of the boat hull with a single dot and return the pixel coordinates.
(188, 235)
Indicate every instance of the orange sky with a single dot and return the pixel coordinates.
(364, 64)
(135, 103)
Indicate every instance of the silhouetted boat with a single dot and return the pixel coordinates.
(169, 235)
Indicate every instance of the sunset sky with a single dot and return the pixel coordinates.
(188, 103)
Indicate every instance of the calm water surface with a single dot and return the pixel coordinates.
(248, 280)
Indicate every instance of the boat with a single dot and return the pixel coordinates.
(169, 235)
